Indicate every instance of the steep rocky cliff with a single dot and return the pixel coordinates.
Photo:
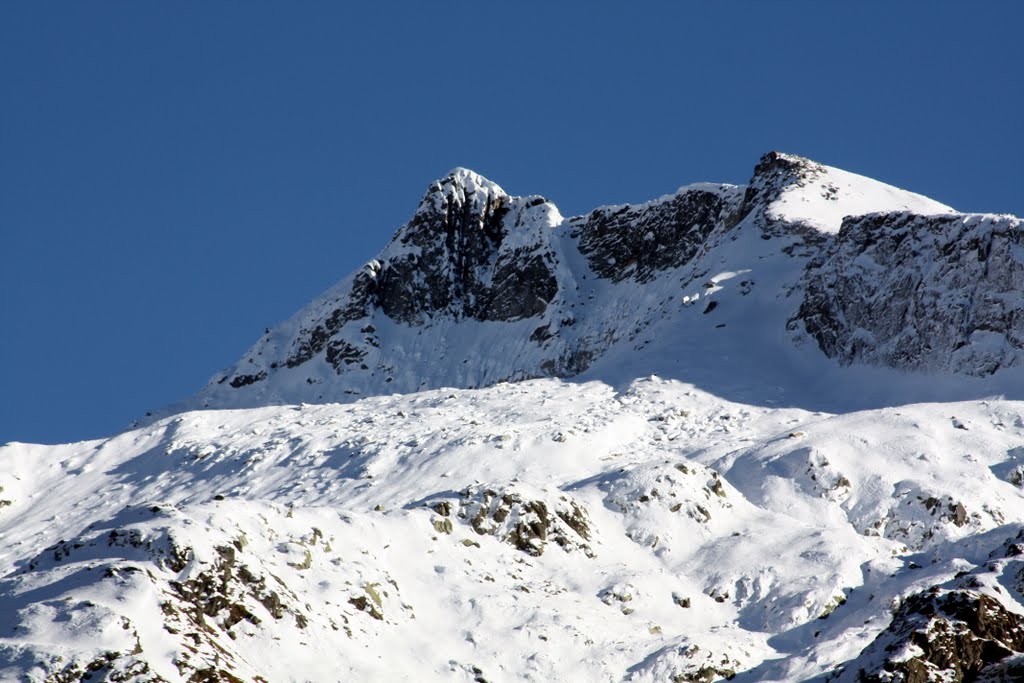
(920, 292)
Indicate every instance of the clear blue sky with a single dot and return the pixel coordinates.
(175, 176)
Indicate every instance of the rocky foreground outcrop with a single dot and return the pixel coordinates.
(969, 629)
(945, 636)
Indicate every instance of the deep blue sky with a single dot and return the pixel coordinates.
(176, 176)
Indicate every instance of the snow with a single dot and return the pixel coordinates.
(643, 463)
(711, 496)
(832, 194)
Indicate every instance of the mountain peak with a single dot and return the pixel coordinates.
(480, 287)
(782, 160)
(796, 190)
(470, 179)
(462, 190)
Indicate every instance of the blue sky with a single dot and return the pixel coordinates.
(174, 177)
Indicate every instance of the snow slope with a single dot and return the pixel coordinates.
(658, 442)
(544, 530)
(844, 194)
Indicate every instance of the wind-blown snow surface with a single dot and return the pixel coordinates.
(545, 530)
(679, 486)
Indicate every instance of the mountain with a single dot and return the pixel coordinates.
(480, 287)
(768, 432)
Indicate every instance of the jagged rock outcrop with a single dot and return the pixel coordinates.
(942, 636)
(526, 518)
(774, 174)
(641, 241)
(470, 251)
(920, 293)
(466, 253)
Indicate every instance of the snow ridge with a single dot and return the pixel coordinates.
(495, 288)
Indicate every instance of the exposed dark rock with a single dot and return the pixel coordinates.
(542, 334)
(452, 237)
(571, 363)
(775, 172)
(219, 593)
(239, 381)
(111, 667)
(524, 523)
(364, 604)
(452, 258)
(522, 286)
(639, 242)
(213, 675)
(341, 352)
(941, 636)
(705, 674)
(689, 663)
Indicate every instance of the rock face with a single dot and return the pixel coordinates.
(468, 252)
(920, 292)
(456, 257)
(642, 241)
(527, 525)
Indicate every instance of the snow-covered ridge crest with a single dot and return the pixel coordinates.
(465, 186)
(820, 196)
(473, 254)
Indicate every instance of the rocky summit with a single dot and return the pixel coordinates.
(760, 432)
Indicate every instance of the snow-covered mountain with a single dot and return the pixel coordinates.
(480, 287)
(768, 432)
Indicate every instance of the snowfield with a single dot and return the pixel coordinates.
(545, 530)
(653, 474)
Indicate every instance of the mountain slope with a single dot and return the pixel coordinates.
(761, 433)
(496, 529)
